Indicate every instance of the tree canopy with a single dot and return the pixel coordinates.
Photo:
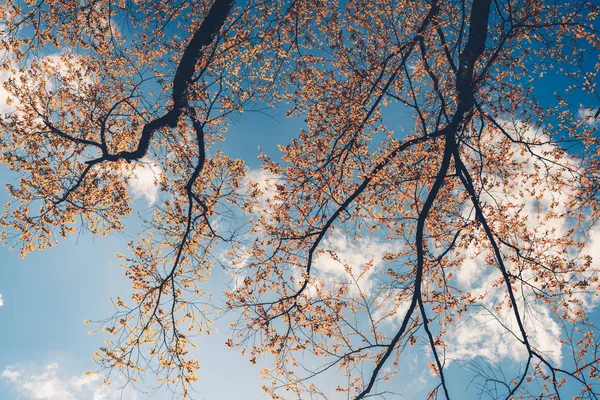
(444, 181)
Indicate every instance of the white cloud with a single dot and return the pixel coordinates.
(261, 183)
(587, 114)
(591, 299)
(67, 66)
(50, 385)
(533, 204)
(494, 334)
(351, 261)
(592, 247)
(1, 300)
(471, 269)
(63, 65)
(5, 75)
(11, 375)
(144, 178)
(258, 184)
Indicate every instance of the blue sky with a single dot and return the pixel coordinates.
(47, 296)
(44, 346)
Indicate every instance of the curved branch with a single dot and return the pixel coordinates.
(203, 37)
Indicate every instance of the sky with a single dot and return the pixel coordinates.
(45, 348)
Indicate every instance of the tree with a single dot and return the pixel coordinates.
(480, 210)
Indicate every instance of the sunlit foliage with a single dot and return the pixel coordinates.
(426, 150)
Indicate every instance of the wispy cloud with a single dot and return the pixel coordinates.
(262, 183)
(351, 261)
(539, 200)
(144, 178)
(1, 300)
(49, 384)
(588, 115)
(488, 332)
(5, 107)
(59, 65)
